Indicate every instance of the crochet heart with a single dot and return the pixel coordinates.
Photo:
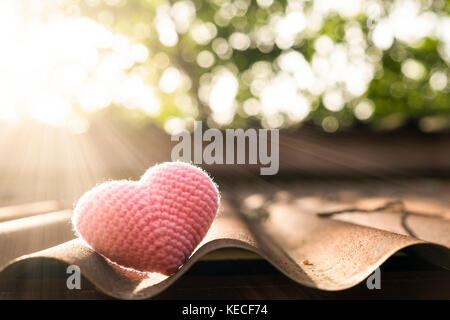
(150, 225)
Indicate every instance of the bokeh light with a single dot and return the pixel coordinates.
(331, 63)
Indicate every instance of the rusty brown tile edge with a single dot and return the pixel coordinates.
(230, 231)
(96, 270)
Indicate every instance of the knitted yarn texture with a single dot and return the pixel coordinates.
(153, 224)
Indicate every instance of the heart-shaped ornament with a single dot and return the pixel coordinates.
(153, 224)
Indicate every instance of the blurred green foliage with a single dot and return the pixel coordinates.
(409, 82)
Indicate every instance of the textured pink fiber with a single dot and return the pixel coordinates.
(153, 224)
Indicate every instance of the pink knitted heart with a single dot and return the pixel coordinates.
(153, 224)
